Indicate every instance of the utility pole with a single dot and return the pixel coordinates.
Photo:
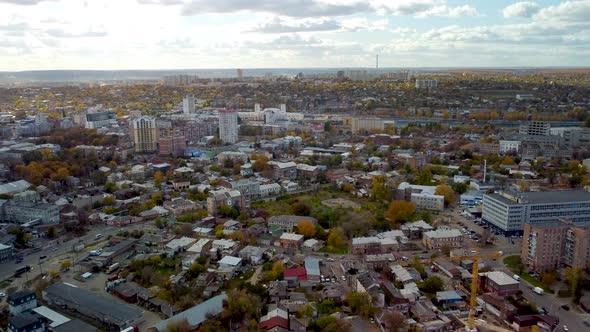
(377, 61)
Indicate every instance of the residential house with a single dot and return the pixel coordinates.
(253, 255)
(22, 301)
(291, 240)
(443, 237)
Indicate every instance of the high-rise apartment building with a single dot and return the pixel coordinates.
(144, 133)
(367, 124)
(188, 104)
(553, 245)
(536, 128)
(171, 138)
(228, 126)
(509, 212)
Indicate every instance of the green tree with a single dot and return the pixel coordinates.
(158, 179)
(360, 304)
(65, 265)
(336, 238)
(431, 285)
(380, 190)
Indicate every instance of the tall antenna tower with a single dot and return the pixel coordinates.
(377, 61)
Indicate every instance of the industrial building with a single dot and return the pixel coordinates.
(109, 312)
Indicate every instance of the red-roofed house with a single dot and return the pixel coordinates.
(294, 276)
(275, 320)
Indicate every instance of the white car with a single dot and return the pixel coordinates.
(2, 295)
(565, 328)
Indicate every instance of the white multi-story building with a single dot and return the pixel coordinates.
(508, 213)
(188, 104)
(228, 126)
(509, 146)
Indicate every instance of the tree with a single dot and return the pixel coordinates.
(431, 285)
(306, 228)
(305, 312)
(179, 326)
(108, 200)
(52, 232)
(394, 321)
(260, 163)
(380, 191)
(549, 277)
(326, 307)
(523, 185)
(360, 304)
(110, 187)
(446, 191)
(400, 210)
(277, 270)
(65, 265)
(336, 238)
(574, 280)
(300, 208)
(158, 178)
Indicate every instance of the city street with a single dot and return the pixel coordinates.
(572, 318)
(7, 269)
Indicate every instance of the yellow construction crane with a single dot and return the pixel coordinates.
(475, 257)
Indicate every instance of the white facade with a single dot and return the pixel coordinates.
(228, 126)
(509, 213)
(188, 104)
(509, 146)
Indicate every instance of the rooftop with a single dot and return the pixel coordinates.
(197, 314)
(291, 236)
(14, 187)
(230, 260)
(312, 266)
(443, 233)
(544, 197)
(500, 278)
(55, 318)
(365, 240)
(101, 306)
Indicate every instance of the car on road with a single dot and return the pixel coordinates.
(565, 328)
(43, 257)
(565, 307)
(2, 295)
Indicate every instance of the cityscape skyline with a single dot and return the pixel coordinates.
(179, 34)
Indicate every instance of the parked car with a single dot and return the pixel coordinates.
(565, 307)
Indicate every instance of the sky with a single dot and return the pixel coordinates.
(195, 34)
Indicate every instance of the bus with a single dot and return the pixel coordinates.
(21, 270)
(113, 268)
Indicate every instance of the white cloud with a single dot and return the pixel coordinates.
(465, 10)
(24, 2)
(295, 8)
(525, 9)
(278, 25)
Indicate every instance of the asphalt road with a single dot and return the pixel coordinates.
(7, 269)
(572, 318)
